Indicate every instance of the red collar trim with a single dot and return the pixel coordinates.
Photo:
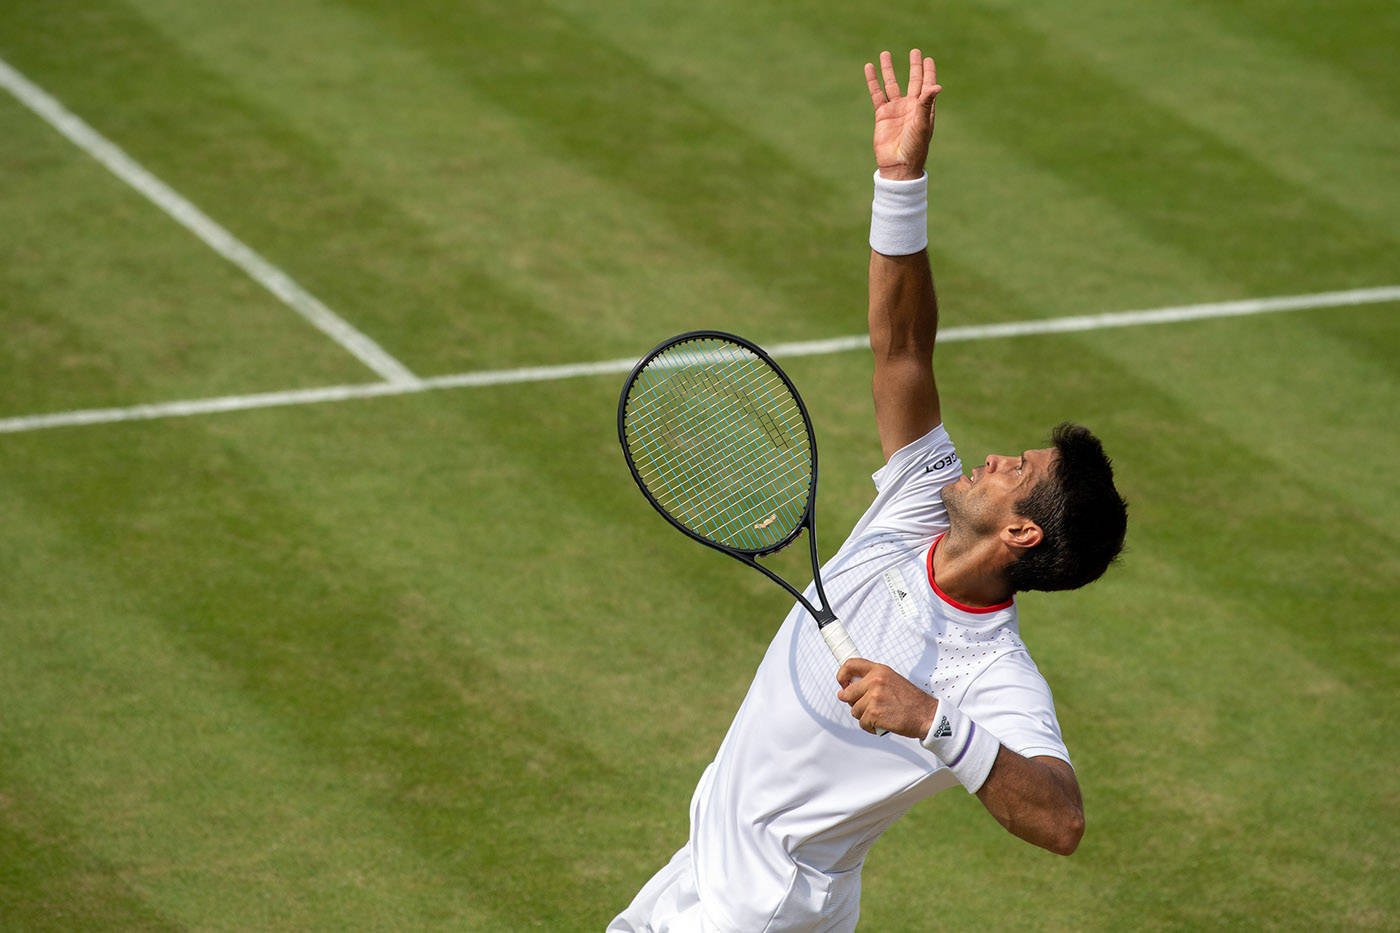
(979, 610)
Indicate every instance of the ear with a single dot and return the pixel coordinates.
(1022, 533)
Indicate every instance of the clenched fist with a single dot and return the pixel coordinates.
(882, 699)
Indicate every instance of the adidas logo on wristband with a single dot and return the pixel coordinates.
(962, 746)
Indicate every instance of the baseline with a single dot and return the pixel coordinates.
(1084, 322)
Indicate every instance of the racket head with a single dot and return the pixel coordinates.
(718, 440)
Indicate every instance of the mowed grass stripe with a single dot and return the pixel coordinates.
(1352, 36)
(467, 620)
(147, 778)
(479, 567)
(597, 245)
(318, 658)
(1180, 185)
(107, 301)
(995, 256)
(1242, 84)
(718, 186)
(1343, 370)
(685, 293)
(342, 239)
(1070, 324)
(425, 674)
(465, 276)
(1157, 164)
(201, 225)
(958, 282)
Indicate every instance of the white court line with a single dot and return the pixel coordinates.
(1056, 325)
(197, 222)
(1061, 325)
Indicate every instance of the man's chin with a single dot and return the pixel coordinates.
(952, 496)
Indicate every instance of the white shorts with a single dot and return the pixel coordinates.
(668, 903)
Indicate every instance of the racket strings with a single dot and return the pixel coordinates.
(707, 482)
(731, 453)
(710, 476)
(735, 448)
(690, 496)
(720, 443)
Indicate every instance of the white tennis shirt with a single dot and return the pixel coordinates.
(782, 819)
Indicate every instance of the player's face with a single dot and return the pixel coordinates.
(986, 498)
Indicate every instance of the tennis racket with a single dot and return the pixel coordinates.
(721, 445)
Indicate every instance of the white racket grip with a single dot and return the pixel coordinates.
(839, 641)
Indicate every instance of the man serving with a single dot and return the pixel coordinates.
(805, 780)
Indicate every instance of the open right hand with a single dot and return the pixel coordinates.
(903, 122)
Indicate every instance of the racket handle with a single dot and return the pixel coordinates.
(839, 641)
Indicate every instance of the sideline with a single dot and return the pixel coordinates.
(197, 222)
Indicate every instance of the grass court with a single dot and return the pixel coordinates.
(428, 660)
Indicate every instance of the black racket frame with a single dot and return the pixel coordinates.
(748, 556)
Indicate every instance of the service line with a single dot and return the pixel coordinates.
(197, 222)
(1057, 325)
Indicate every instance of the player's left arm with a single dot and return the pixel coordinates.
(1036, 799)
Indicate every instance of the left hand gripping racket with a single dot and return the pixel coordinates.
(720, 443)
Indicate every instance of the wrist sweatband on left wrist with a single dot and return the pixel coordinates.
(967, 749)
(899, 216)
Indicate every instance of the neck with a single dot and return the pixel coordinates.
(969, 570)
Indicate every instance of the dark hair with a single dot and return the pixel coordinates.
(1080, 514)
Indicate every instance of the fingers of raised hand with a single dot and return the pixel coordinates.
(884, 86)
(872, 81)
(887, 72)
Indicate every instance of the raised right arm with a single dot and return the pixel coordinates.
(903, 325)
(903, 312)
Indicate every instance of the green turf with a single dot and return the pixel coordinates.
(431, 662)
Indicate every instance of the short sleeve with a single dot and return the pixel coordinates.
(908, 488)
(1012, 701)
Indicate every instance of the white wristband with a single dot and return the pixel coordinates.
(899, 216)
(967, 749)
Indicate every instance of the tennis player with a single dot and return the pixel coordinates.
(803, 785)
